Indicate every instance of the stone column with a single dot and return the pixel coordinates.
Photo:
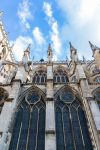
(86, 102)
(50, 137)
(7, 115)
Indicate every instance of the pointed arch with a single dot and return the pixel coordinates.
(60, 75)
(71, 123)
(40, 75)
(29, 127)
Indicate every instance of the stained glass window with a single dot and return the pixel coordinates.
(40, 77)
(60, 76)
(29, 128)
(71, 125)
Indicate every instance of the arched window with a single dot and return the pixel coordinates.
(29, 128)
(3, 97)
(97, 79)
(71, 124)
(60, 76)
(40, 77)
(97, 96)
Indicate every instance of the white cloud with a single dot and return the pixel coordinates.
(83, 23)
(20, 44)
(47, 9)
(24, 13)
(38, 36)
(54, 28)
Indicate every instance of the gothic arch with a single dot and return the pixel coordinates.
(29, 127)
(28, 90)
(71, 123)
(40, 75)
(60, 75)
(71, 88)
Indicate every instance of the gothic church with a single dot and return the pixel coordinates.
(49, 105)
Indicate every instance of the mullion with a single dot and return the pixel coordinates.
(73, 134)
(29, 128)
(80, 130)
(41, 130)
(67, 130)
(33, 130)
(76, 130)
(63, 128)
(24, 131)
(86, 136)
(37, 129)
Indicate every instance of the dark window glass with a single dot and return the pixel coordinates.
(16, 130)
(60, 76)
(58, 79)
(59, 130)
(67, 96)
(71, 125)
(32, 97)
(29, 129)
(63, 79)
(68, 130)
(40, 77)
(38, 80)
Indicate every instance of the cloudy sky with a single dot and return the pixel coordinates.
(40, 22)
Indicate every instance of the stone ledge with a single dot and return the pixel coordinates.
(9, 99)
(17, 80)
(50, 132)
(50, 99)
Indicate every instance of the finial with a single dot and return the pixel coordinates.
(84, 59)
(93, 47)
(49, 47)
(49, 50)
(73, 53)
(49, 53)
(28, 48)
(72, 47)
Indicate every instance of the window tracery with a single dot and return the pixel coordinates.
(60, 76)
(29, 128)
(71, 125)
(97, 79)
(40, 77)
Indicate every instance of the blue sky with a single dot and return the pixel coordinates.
(41, 22)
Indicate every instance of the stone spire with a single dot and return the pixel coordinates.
(50, 53)
(96, 53)
(73, 53)
(93, 47)
(28, 49)
(84, 60)
(26, 55)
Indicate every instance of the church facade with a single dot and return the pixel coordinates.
(49, 105)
